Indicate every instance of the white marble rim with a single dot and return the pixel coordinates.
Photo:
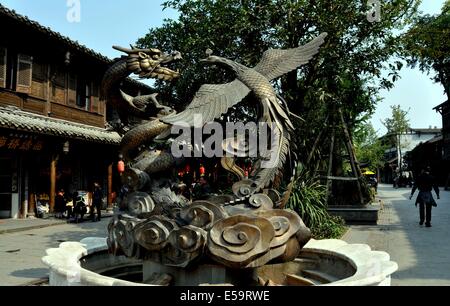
(372, 267)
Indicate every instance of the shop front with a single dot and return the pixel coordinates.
(9, 202)
(15, 150)
(35, 166)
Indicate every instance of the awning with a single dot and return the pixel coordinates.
(368, 172)
(435, 139)
(16, 119)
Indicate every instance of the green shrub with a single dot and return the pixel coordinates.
(309, 200)
(331, 228)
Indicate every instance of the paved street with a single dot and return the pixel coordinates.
(423, 254)
(21, 252)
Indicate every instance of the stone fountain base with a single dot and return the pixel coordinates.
(321, 262)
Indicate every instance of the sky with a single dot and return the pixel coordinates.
(415, 91)
(121, 22)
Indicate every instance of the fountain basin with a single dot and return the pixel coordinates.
(321, 262)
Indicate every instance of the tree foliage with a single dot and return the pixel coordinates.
(368, 146)
(347, 72)
(427, 44)
(397, 125)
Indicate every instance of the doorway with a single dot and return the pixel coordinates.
(5, 187)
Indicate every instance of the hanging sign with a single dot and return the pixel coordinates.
(20, 143)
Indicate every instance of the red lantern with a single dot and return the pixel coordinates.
(121, 166)
(202, 170)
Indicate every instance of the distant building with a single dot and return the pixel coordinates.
(442, 147)
(409, 140)
(444, 110)
(52, 120)
(429, 154)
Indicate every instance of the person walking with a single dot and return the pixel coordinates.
(425, 183)
(97, 197)
(60, 204)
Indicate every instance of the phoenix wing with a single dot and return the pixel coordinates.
(277, 62)
(211, 101)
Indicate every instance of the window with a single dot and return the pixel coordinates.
(58, 84)
(84, 95)
(72, 90)
(3, 68)
(24, 73)
(58, 77)
(95, 105)
(39, 72)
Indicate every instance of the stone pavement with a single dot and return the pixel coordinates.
(423, 254)
(17, 225)
(21, 252)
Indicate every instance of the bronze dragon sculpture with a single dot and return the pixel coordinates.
(146, 110)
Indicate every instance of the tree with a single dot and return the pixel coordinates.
(346, 75)
(368, 146)
(427, 44)
(347, 71)
(397, 125)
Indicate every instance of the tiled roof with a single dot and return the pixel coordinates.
(16, 119)
(65, 40)
(429, 130)
(437, 108)
(436, 139)
(46, 30)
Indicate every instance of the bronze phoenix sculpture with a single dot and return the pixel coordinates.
(212, 101)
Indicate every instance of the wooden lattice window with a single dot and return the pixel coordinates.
(24, 73)
(3, 68)
(39, 72)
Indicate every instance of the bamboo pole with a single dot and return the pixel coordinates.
(316, 142)
(330, 164)
(352, 155)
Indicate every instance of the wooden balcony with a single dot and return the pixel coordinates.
(52, 109)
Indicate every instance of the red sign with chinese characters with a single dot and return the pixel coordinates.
(22, 144)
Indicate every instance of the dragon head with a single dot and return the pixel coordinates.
(151, 63)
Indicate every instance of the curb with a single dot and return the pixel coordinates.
(347, 232)
(44, 281)
(23, 229)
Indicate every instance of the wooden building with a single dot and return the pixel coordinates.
(444, 110)
(52, 121)
(409, 140)
(429, 154)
